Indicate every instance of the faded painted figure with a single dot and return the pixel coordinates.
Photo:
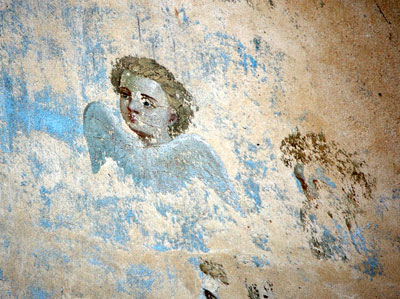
(158, 110)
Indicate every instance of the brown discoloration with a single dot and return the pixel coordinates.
(215, 270)
(342, 185)
(176, 12)
(313, 149)
(348, 224)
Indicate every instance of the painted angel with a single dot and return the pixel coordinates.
(158, 110)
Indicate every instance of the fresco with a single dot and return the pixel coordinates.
(148, 153)
(153, 158)
(199, 149)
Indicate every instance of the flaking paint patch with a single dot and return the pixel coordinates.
(335, 185)
(264, 290)
(215, 270)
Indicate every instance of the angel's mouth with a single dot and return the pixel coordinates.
(131, 117)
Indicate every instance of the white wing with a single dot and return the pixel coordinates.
(194, 158)
(165, 168)
(106, 138)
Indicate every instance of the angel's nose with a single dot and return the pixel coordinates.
(134, 111)
(133, 106)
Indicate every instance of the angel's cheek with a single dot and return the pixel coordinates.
(122, 106)
(158, 118)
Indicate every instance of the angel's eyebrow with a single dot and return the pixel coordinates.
(147, 97)
(125, 90)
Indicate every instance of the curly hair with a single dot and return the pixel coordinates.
(178, 97)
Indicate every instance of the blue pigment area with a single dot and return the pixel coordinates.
(36, 292)
(23, 115)
(139, 280)
(109, 220)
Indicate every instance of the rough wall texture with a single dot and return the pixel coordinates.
(299, 99)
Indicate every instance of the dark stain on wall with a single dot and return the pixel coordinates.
(257, 292)
(271, 3)
(252, 291)
(209, 295)
(334, 183)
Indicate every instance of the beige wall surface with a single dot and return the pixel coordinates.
(293, 183)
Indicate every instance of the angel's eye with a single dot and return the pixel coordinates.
(147, 101)
(125, 93)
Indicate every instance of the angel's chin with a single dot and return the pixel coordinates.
(140, 133)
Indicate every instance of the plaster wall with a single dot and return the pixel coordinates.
(299, 99)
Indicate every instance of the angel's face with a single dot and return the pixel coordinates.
(145, 108)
